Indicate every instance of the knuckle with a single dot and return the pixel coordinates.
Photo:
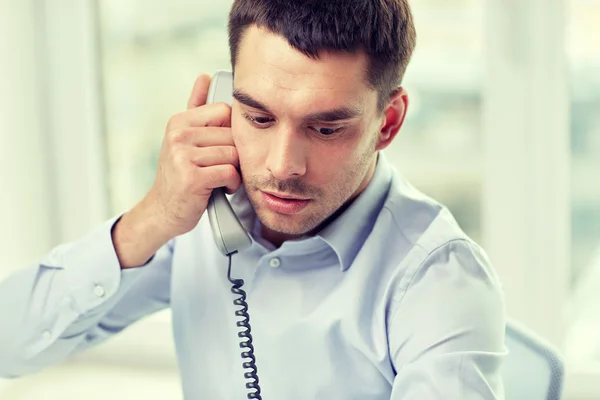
(179, 135)
(175, 120)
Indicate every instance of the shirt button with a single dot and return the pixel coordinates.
(46, 334)
(99, 291)
(275, 262)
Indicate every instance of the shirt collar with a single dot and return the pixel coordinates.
(347, 233)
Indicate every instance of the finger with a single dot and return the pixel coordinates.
(217, 114)
(199, 91)
(202, 137)
(216, 155)
(232, 190)
(225, 176)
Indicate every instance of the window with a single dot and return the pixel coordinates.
(583, 343)
(439, 147)
(151, 54)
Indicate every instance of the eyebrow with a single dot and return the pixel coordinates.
(246, 99)
(338, 114)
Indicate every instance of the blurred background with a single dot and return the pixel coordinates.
(503, 127)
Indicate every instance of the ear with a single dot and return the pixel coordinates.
(393, 117)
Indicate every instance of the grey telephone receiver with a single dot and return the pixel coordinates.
(230, 237)
(228, 233)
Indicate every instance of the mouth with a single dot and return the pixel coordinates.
(283, 203)
(285, 196)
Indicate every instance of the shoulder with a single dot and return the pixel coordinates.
(445, 284)
(418, 219)
(431, 251)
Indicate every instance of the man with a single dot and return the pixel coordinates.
(359, 286)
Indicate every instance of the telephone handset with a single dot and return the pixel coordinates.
(228, 233)
(231, 237)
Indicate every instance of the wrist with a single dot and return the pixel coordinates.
(137, 236)
(151, 223)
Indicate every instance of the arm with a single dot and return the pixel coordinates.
(74, 298)
(83, 292)
(447, 328)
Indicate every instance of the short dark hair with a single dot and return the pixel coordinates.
(383, 29)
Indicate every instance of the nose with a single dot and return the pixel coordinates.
(287, 155)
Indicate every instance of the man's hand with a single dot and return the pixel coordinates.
(197, 155)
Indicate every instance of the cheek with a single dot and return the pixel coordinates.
(329, 162)
(245, 144)
(345, 163)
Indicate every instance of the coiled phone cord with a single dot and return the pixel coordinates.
(245, 334)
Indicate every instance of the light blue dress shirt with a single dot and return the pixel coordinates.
(390, 301)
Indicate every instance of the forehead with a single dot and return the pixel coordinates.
(270, 69)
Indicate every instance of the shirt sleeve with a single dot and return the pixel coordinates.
(446, 331)
(74, 298)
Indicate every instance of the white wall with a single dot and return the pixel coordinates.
(26, 195)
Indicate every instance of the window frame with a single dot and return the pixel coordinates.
(527, 234)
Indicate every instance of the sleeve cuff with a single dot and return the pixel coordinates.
(94, 272)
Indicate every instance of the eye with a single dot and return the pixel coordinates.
(325, 131)
(259, 122)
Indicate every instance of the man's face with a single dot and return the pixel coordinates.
(305, 130)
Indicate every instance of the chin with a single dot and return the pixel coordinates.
(294, 225)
